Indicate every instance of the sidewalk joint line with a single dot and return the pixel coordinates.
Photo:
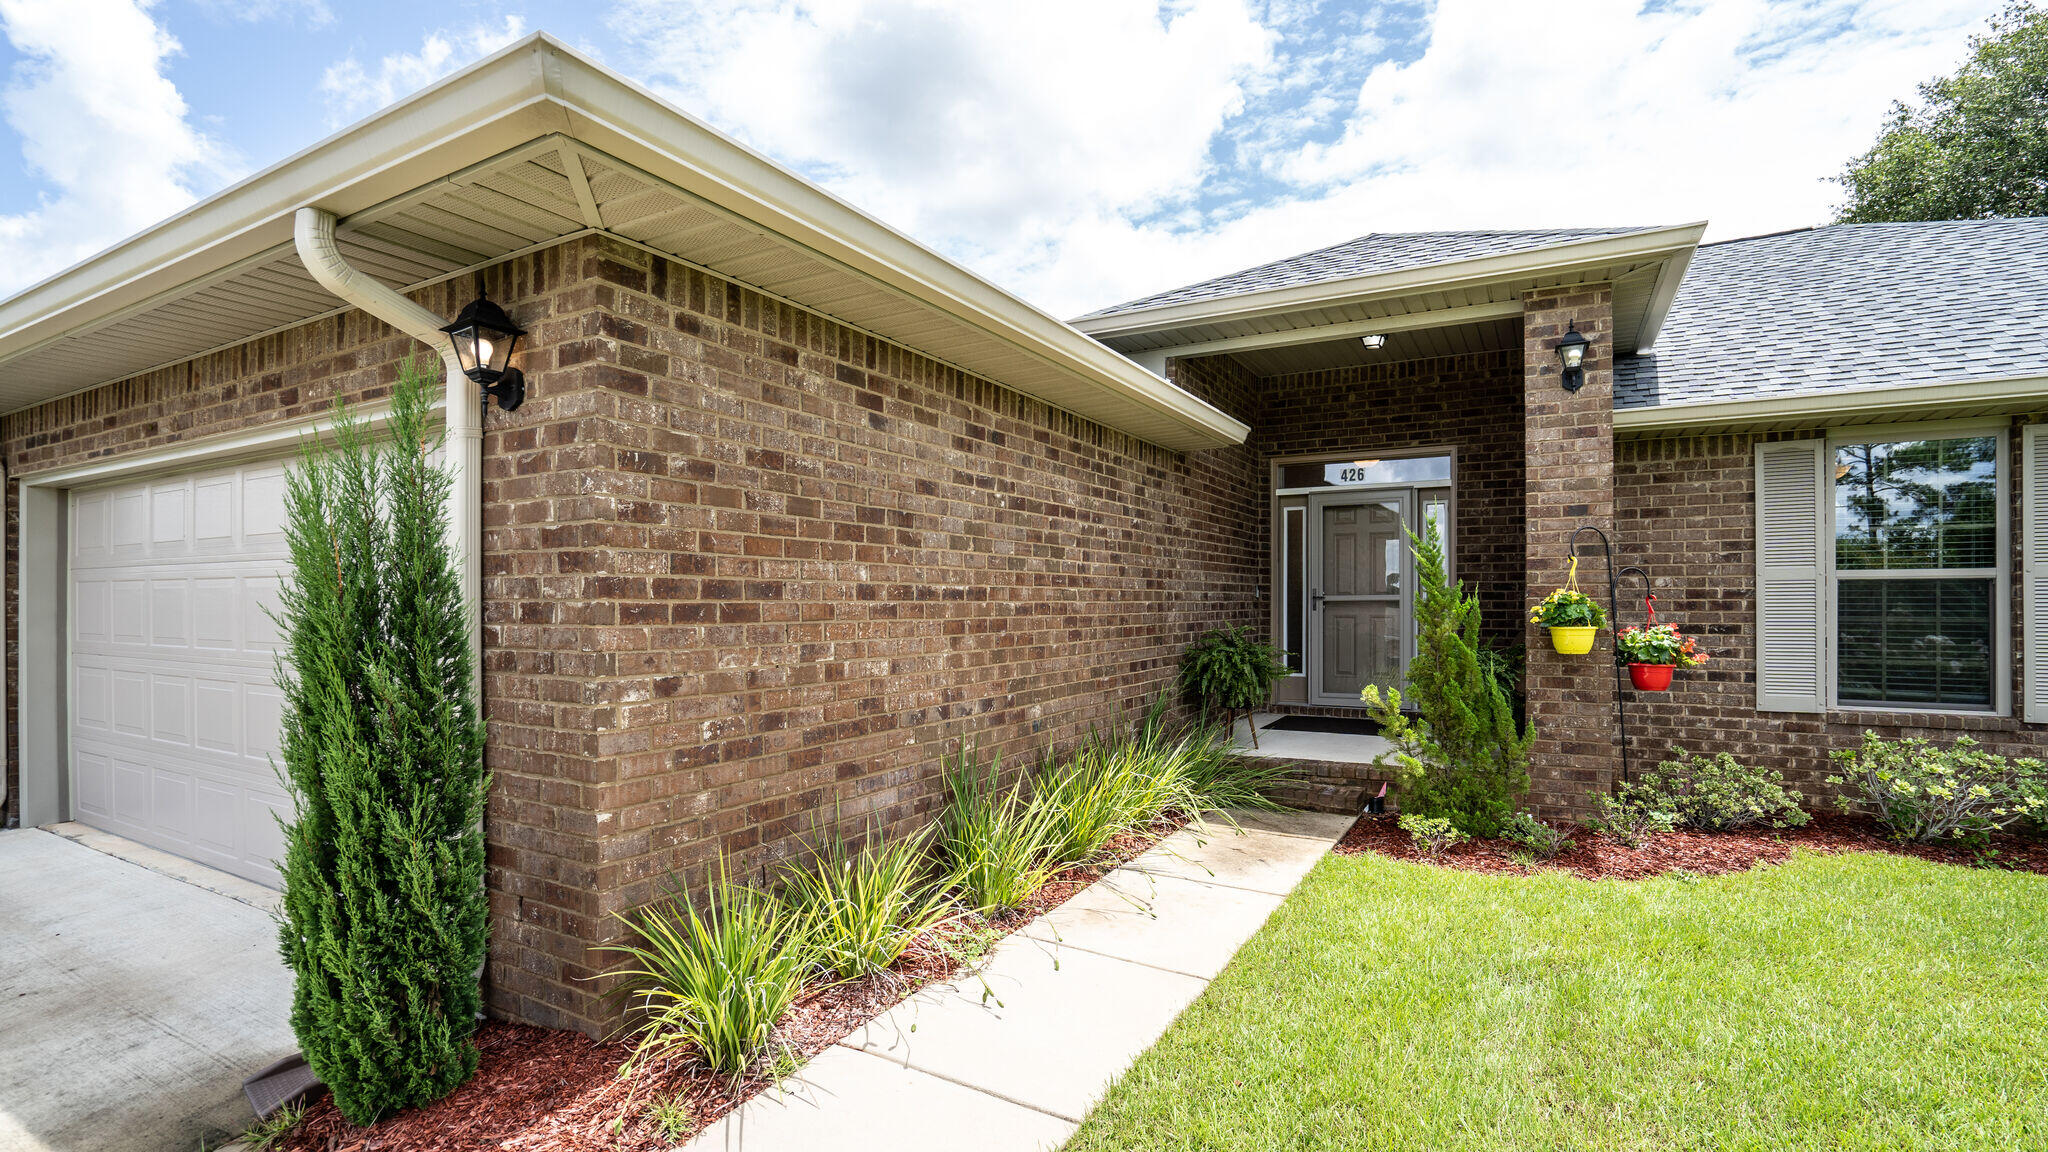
(954, 1080)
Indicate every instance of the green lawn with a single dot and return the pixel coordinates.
(1856, 1001)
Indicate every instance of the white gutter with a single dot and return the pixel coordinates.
(313, 233)
(2013, 394)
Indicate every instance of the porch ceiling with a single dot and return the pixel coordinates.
(523, 150)
(1350, 351)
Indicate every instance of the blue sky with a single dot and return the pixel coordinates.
(1079, 152)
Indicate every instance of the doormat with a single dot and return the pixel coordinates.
(1337, 725)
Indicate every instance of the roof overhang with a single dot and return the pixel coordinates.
(1644, 266)
(522, 150)
(2003, 396)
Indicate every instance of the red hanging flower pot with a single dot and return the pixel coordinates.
(1652, 677)
(1654, 651)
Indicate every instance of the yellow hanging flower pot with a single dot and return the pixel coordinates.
(1573, 641)
(1574, 618)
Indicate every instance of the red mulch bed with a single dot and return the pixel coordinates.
(1596, 857)
(544, 1090)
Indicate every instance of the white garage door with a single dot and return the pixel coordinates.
(173, 711)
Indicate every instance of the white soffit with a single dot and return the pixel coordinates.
(1644, 267)
(526, 148)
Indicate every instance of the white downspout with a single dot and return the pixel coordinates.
(462, 414)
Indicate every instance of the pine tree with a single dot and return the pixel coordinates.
(384, 918)
(1464, 759)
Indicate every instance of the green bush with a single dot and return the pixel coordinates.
(1921, 792)
(997, 845)
(716, 980)
(1632, 817)
(1433, 835)
(858, 909)
(1228, 671)
(1542, 841)
(1720, 794)
(384, 917)
(1466, 759)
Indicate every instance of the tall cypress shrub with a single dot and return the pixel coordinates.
(384, 919)
(1463, 758)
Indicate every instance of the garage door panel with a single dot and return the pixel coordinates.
(263, 708)
(93, 787)
(131, 702)
(127, 611)
(127, 524)
(213, 514)
(170, 709)
(170, 605)
(174, 711)
(216, 724)
(169, 533)
(216, 816)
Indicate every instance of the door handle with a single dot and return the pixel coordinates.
(1315, 601)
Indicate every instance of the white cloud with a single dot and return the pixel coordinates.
(993, 131)
(1734, 111)
(1068, 150)
(353, 91)
(102, 129)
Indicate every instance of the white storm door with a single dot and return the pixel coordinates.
(174, 713)
(1360, 577)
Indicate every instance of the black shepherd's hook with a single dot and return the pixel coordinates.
(1614, 619)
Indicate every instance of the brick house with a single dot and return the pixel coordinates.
(793, 503)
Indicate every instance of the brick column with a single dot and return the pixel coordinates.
(1569, 462)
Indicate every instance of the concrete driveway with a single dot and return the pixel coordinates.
(133, 1000)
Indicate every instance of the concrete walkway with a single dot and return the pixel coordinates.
(133, 1000)
(1013, 1059)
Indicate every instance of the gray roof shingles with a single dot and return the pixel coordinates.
(1850, 307)
(1378, 252)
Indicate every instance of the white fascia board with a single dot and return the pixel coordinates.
(1669, 276)
(529, 90)
(2015, 392)
(1557, 259)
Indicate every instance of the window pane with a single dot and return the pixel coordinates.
(1363, 473)
(1914, 642)
(1294, 608)
(1917, 504)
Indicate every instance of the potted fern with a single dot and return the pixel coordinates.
(1231, 671)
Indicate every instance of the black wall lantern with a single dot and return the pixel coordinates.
(484, 337)
(1571, 348)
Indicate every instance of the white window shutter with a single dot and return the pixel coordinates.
(2034, 571)
(1792, 491)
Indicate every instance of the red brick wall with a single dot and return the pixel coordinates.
(752, 570)
(1569, 445)
(1686, 512)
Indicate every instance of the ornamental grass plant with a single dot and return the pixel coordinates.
(858, 908)
(997, 845)
(712, 975)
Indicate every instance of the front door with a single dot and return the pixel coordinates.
(1360, 583)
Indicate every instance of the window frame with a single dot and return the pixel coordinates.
(2000, 575)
